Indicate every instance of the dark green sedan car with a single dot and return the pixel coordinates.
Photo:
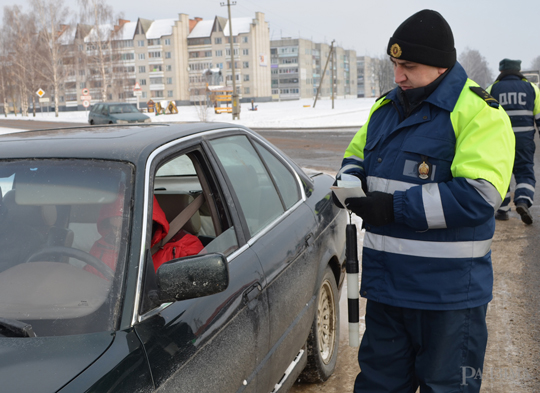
(194, 259)
(116, 113)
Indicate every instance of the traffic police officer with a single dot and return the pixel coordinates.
(435, 158)
(521, 101)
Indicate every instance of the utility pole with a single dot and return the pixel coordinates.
(324, 72)
(235, 104)
(333, 79)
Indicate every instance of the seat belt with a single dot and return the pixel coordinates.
(179, 221)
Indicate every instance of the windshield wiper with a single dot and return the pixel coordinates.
(14, 328)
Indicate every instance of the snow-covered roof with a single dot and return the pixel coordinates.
(127, 32)
(159, 28)
(68, 36)
(202, 29)
(239, 26)
(99, 33)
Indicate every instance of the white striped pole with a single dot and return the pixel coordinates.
(353, 292)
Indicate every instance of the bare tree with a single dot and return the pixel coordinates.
(99, 43)
(384, 72)
(4, 73)
(476, 66)
(535, 64)
(20, 34)
(52, 17)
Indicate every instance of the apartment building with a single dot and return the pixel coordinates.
(297, 66)
(168, 58)
(367, 81)
(209, 48)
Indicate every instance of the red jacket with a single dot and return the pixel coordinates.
(181, 245)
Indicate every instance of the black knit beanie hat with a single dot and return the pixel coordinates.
(425, 38)
(509, 65)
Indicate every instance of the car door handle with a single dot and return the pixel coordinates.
(251, 294)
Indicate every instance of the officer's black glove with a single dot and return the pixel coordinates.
(376, 208)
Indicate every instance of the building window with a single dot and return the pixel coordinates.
(169, 81)
(82, 85)
(168, 55)
(219, 65)
(228, 52)
(246, 78)
(142, 69)
(140, 43)
(217, 40)
(167, 41)
(82, 72)
(246, 90)
(142, 56)
(245, 40)
(219, 53)
(156, 68)
(142, 82)
(168, 67)
(154, 55)
(245, 64)
(169, 93)
(156, 81)
(156, 41)
(245, 52)
(208, 53)
(156, 93)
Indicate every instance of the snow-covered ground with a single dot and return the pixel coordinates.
(291, 114)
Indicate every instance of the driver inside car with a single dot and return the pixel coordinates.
(109, 226)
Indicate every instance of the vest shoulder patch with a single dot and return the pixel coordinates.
(485, 96)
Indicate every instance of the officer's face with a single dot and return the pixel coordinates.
(410, 75)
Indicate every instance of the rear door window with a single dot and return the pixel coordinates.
(253, 186)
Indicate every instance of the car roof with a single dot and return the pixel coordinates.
(113, 142)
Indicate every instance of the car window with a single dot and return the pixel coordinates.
(97, 108)
(180, 184)
(285, 180)
(105, 110)
(254, 189)
(63, 236)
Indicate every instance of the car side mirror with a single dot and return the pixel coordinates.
(192, 277)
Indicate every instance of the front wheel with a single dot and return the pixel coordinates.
(323, 339)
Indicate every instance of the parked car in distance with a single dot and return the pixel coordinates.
(116, 113)
(194, 259)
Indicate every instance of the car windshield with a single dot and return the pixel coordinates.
(122, 108)
(63, 235)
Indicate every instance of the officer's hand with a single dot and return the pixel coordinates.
(376, 208)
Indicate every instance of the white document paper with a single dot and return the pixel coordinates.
(348, 187)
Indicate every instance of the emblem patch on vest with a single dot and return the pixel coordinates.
(424, 169)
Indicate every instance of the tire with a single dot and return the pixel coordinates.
(92, 122)
(323, 340)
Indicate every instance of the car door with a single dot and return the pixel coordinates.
(214, 343)
(280, 228)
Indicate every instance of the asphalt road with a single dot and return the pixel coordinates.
(512, 361)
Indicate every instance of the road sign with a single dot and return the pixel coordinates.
(137, 93)
(137, 87)
(40, 93)
(86, 103)
(86, 98)
(44, 99)
(85, 92)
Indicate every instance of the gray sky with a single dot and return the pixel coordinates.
(494, 27)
